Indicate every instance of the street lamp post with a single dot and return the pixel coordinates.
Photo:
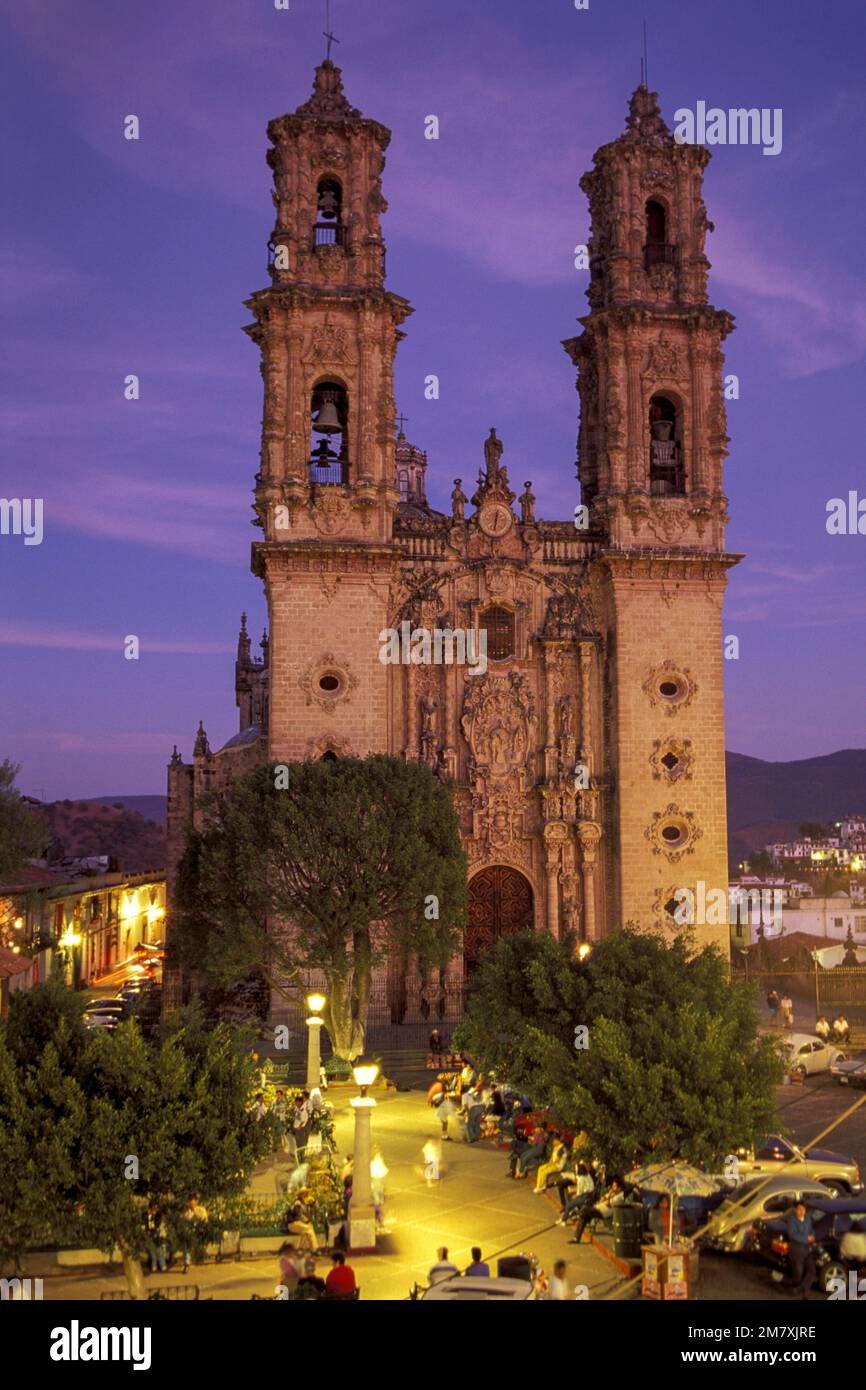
(362, 1210)
(315, 1004)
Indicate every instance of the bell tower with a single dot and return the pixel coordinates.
(653, 433)
(651, 449)
(326, 492)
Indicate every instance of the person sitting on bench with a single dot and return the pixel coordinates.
(602, 1210)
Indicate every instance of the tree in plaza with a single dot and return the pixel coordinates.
(646, 1045)
(326, 866)
(101, 1131)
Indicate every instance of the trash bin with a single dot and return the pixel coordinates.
(514, 1267)
(627, 1230)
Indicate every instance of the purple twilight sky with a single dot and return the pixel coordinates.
(119, 256)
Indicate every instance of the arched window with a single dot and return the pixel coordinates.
(403, 484)
(666, 472)
(499, 626)
(329, 229)
(658, 250)
(329, 448)
(329, 757)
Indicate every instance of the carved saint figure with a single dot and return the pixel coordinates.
(527, 505)
(458, 500)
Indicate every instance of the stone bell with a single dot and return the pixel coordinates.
(327, 420)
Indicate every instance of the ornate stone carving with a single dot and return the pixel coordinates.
(328, 667)
(498, 722)
(671, 759)
(329, 343)
(665, 359)
(329, 743)
(660, 832)
(570, 609)
(682, 691)
(330, 510)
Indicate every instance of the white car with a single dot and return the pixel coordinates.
(759, 1198)
(807, 1054)
(462, 1288)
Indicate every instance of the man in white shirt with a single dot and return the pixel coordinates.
(443, 1268)
(558, 1287)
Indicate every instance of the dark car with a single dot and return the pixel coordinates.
(851, 1073)
(832, 1220)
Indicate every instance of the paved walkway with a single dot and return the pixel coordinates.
(474, 1203)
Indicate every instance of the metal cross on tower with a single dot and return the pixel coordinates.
(332, 38)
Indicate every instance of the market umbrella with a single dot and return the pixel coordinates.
(680, 1179)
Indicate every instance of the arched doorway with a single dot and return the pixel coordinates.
(500, 902)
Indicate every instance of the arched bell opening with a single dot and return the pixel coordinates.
(666, 471)
(329, 446)
(329, 229)
(658, 249)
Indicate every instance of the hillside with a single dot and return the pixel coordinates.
(767, 801)
(81, 828)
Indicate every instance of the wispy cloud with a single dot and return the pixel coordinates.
(30, 634)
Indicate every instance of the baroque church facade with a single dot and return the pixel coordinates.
(587, 759)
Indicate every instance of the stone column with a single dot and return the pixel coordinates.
(590, 835)
(314, 1055)
(552, 891)
(362, 1214)
(637, 446)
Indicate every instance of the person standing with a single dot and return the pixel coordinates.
(787, 1007)
(558, 1288)
(301, 1123)
(436, 1049)
(773, 1006)
(801, 1239)
(280, 1114)
(474, 1107)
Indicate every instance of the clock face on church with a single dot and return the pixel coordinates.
(495, 519)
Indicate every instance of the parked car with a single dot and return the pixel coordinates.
(840, 1239)
(758, 1198)
(462, 1288)
(807, 1054)
(106, 1006)
(776, 1155)
(850, 1073)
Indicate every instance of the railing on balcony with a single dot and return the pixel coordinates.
(667, 475)
(330, 234)
(331, 473)
(660, 253)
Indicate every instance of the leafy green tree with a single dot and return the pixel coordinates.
(670, 1065)
(322, 866)
(22, 832)
(100, 1132)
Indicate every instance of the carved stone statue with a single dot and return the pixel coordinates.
(458, 500)
(492, 456)
(429, 705)
(527, 505)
